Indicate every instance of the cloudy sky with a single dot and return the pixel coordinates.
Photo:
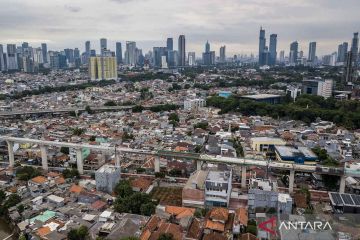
(234, 23)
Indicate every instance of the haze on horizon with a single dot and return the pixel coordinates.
(234, 23)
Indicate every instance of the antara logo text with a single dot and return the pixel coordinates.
(270, 225)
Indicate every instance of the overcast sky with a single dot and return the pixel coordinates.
(234, 23)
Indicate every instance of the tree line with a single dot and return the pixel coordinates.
(307, 108)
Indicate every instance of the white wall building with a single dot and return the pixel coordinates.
(194, 104)
(107, 177)
(263, 194)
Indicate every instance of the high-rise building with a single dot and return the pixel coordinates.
(342, 52)
(355, 49)
(44, 52)
(181, 52)
(87, 47)
(158, 53)
(130, 53)
(107, 177)
(76, 53)
(103, 45)
(102, 68)
(222, 54)
(293, 57)
(208, 56)
(2, 60)
(320, 87)
(312, 52)
(191, 59)
(282, 56)
(349, 71)
(28, 64)
(119, 53)
(262, 44)
(170, 44)
(272, 50)
(11, 59)
(92, 53)
(69, 53)
(172, 58)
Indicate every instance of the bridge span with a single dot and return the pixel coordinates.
(199, 158)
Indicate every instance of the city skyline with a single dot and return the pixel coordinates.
(231, 23)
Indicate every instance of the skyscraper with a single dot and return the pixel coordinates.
(2, 60)
(69, 53)
(208, 56)
(262, 44)
(44, 52)
(355, 49)
(282, 56)
(342, 52)
(87, 47)
(222, 54)
(76, 53)
(170, 44)
(191, 58)
(158, 53)
(12, 63)
(272, 50)
(181, 52)
(312, 52)
(102, 68)
(103, 45)
(293, 53)
(119, 53)
(130, 53)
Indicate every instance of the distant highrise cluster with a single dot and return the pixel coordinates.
(267, 55)
(352, 63)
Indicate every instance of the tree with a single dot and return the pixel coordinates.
(65, 150)
(71, 173)
(78, 131)
(166, 236)
(89, 110)
(160, 175)
(80, 233)
(147, 209)
(123, 189)
(12, 200)
(26, 173)
(22, 237)
(129, 238)
(20, 208)
(110, 103)
(2, 196)
(175, 172)
(173, 117)
(202, 125)
(137, 108)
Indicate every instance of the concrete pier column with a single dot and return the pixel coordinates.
(11, 153)
(291, 181)
(117, 159)
(79, 161)
(342, 184)
(243, 177)
(157, 164)
(44, 159)
(198, 165)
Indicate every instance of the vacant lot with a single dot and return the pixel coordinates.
(167, 195)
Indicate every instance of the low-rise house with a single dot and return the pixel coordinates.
(140, 184)
(58, 201)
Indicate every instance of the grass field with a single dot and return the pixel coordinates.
(167, 195)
